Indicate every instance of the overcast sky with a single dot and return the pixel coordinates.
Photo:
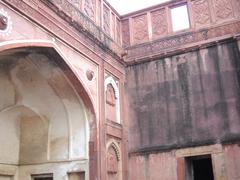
(126, 6)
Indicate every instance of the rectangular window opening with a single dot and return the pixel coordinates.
(199, 168)
(42, 177)
(6, 177)
(180, 18)
(76, 175)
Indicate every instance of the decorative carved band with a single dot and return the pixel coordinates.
(116, 149)
(157, 48)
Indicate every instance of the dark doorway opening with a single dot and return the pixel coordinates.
(199, 168)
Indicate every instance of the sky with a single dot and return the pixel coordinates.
(127, 6)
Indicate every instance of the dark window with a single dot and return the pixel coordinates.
(199, 168)
(42, 177)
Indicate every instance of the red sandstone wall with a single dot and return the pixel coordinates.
(167, 166)
(185, 100)
(153, 167)
(232, 156)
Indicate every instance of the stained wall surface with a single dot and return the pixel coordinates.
(185, 100)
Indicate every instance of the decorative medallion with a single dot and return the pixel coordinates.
(5, 23)
(90, 75)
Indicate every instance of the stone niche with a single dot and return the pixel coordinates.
(112, 100)
(43, 121)
(113, 161)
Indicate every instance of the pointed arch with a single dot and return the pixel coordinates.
(38, 43)
(116, 148)
(50, 48)
(110, 80)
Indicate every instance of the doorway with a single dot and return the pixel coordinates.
(199, 168)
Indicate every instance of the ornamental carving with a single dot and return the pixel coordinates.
(110, 96)
(118, 31)
(111, 101)
(113, 25)
(5, 23)
(112, 108)
(76, 3)
(106, 19)
(159, 23)
(140, 29)
(201, 13)
(166, 44)
(89, 8)
(223, 10)
(125, 33)
(112, 160)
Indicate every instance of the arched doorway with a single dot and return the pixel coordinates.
(46, 117)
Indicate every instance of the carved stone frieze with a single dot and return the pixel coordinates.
(89, 9)
(223, 9)
(125, 33)
(201, 13)
(140, 29)
(157, 48)
(159, 23)
(161, 45)
(106, 19)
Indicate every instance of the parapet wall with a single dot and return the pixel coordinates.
(149, 33)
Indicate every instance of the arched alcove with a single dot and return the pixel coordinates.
(45, 112)
(24, 135)
(114, 162)
(112, 100)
